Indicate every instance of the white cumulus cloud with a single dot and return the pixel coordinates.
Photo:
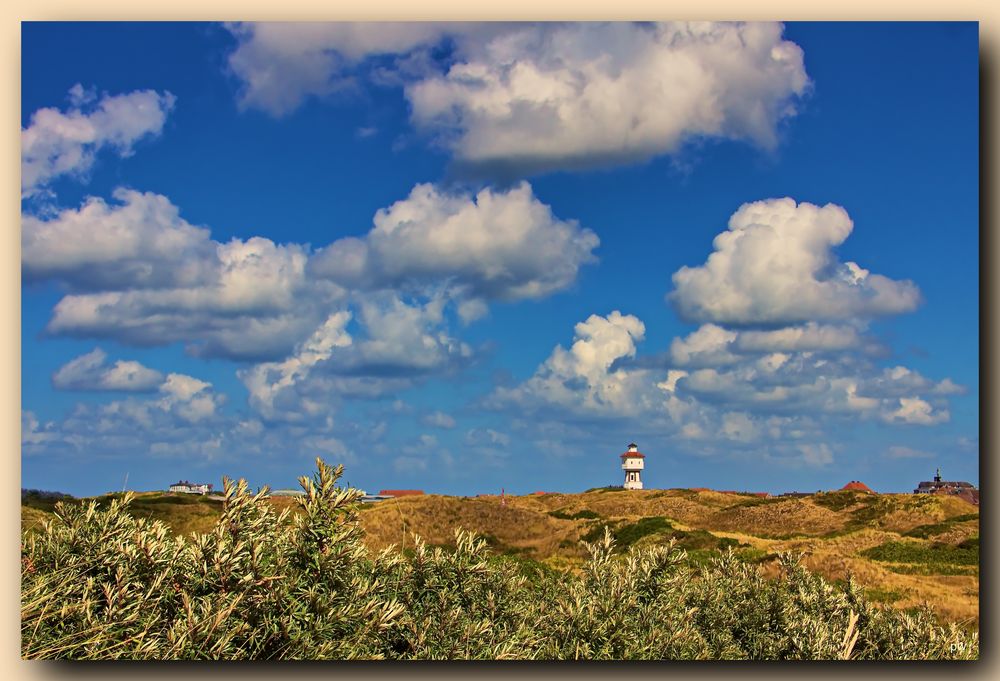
(580, 380)
(189, 398)
(438, 419)
(494, 245)
(91, 372)
(775, 264)
(809, 336)
(139, 241)
(904, 452)
(397, 343)
(709, 345)
(280, 64)
(548, 96)
(916, 411)
(267, 381)
(59, 143)
(542, 96)
(139, 273)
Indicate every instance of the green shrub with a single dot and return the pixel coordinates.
(929, 530)
(966, 553)
(927, 569)
(99, 583)
(586, 514)
(874, 509)
(629, 533)
(879, 595)
(43, 500)
(754, 500)
(171, 500)
(972, 543)
(962, 518)
(840, 499)
(748, 554)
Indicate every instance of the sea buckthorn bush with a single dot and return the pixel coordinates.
(97, 583)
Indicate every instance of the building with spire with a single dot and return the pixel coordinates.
(960, 488)
(633, 463)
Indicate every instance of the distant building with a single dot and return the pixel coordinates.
(961, 489)
(400, 492)
(287, 493)
(632, 463)
(857, 486)
(185, 487)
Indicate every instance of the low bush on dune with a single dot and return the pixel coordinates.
(585, 514)
(932, 529)
(965, 553)
(97, 583)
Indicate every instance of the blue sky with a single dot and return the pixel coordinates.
(464, 257)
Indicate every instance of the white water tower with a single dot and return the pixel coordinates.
(632, 463)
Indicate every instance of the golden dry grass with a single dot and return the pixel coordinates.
(780, 518)
(435, 518)
(831, 539)
(831, 531)
(32, 518)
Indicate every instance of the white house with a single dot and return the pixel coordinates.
(186, 487)
(632, 463)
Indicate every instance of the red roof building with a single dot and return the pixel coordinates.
(965, 494)
(960, 488)
(857, 486)
(400, 492)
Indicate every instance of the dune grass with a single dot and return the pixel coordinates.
(550, 529)
(101, 582)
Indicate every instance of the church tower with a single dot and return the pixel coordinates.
(632, 464)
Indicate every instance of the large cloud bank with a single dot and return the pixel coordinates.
(139, 273)
(526, 98)
(782, 358)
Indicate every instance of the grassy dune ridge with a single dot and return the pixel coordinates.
(904, 549)
(322, 577)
